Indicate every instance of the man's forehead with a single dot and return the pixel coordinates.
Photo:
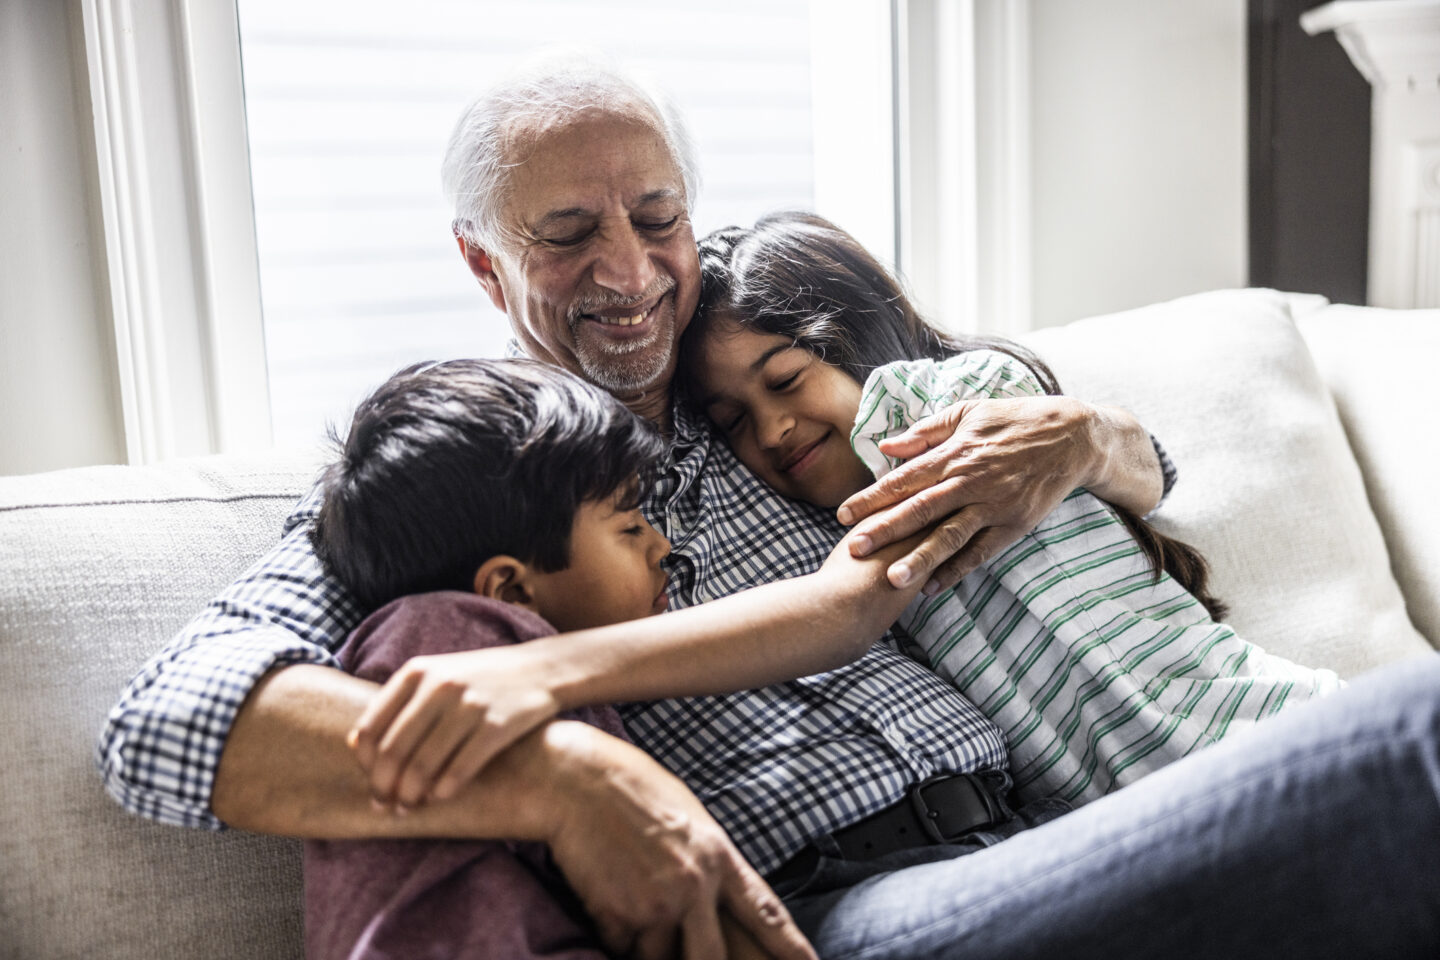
(579, 168)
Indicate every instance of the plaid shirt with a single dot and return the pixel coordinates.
(777, 767)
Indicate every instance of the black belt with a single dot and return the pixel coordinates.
(942, 809)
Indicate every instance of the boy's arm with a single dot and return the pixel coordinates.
(485, 699)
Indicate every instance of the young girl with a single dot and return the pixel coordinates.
(1093, 641)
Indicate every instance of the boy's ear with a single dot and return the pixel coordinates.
(483, 266)
(506, 579)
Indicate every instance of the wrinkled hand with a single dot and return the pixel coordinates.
(983, 472)
(654, 869)
(440, 719)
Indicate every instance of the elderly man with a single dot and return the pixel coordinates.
(573, 190)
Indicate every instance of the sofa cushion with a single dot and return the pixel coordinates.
(1380, 367)
(98, 568)
(1269, 490)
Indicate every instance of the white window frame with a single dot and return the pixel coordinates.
(963, 157)
(174, 184)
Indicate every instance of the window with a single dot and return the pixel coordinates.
(905, 121)
(349, 106)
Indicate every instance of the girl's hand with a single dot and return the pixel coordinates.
(440, 719)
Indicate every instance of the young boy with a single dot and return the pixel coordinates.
(516, 486)
(487, 503)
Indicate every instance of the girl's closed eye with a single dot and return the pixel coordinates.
(785, 412)
(726, 417)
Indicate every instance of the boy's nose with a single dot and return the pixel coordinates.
(661, 547)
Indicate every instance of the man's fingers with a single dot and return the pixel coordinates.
(927, 432)
(753, 906)
(919, 512)
(364, 737)
(944, 541)
(902, 482)
(909, 478)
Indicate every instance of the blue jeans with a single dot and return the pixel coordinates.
(1315, 835)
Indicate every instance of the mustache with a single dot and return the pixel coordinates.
(660, 286)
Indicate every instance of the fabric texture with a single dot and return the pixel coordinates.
(1271, 494)
(96, 565)
(1098, 671)
(395, 900)
(1379, 365)
(776, 767)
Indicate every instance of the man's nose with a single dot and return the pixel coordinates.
(622, 263)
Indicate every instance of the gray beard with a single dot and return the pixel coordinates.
(630, 368)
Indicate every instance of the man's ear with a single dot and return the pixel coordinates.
(508, 580)
(483, 266)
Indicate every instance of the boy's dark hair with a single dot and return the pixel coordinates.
(800, 276)
(449, 464)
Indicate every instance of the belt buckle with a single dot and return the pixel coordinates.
(929, 818)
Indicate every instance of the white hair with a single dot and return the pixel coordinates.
(549, 90)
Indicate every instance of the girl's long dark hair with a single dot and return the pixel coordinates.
(800, 276)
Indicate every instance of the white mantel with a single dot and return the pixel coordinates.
(1395, 44)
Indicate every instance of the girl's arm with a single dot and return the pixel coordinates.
(484, 700)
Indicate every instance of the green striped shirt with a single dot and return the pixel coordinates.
(1097, 672)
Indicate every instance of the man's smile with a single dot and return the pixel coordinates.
(624, 316)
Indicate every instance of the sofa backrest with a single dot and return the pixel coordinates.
(98, 568)
(1269, 489)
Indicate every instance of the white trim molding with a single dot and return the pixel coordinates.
(964, 161)
(852, 116)
(174, 185)
(1395, 44)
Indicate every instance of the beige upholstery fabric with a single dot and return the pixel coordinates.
(98, 567)
(1383, 369)
(1268, 490)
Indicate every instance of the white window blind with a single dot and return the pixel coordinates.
(349, 106)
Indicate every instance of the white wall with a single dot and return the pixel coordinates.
(1139, 155)
(59, 399)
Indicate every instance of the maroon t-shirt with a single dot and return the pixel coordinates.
(442, 898)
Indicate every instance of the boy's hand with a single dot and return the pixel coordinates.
(440, 719)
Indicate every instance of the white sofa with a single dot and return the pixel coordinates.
(1320, 529)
